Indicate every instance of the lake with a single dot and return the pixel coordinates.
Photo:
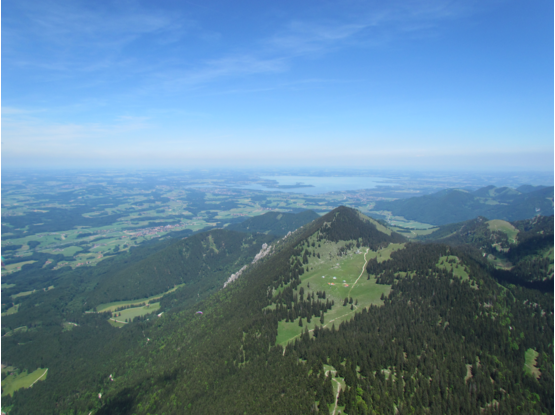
(321, 184)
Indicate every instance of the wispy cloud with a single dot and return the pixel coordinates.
(79, 37)
(83, 37)
(25, 130)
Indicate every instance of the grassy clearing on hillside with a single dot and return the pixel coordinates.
(505, 227)
(67, 326)
(21, 329)
(385, 253)
(71, 250)
(338, 384)
(549, 254)
(337, 275)
(413, 233)
(530, 363)
(23, 294)
(499, 262)
(102, 308)
(6, 286)
(22, 380)
(11, 310)
(453, 263)
(8, 269)
(129, 314)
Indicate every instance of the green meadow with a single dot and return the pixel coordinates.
(102, 308)
(17, 381)
(530, 363)
(119, 318)
(453, 263)
(340, 277)
(15, 267)
(505, 227)
(11, 310)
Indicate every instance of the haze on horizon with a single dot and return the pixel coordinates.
(423, 84)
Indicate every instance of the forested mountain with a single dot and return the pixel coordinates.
(445, 338)
(520, 250)
(456, 205)
(275, 223)
(203, 262)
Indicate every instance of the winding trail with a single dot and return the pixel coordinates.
(350, 312)
(39, 377)
(361, 272)
(336, 396)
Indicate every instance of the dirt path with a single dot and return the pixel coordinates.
(361, 272)
(350, 312)
(332, 373)
(336, 396)
(39, 377)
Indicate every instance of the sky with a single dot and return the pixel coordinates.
(423, 84)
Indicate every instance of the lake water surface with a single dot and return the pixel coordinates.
(321, 184)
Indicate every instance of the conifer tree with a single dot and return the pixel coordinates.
(323, 406)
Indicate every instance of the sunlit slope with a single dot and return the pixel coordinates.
(236, 328)
(340, 272)
(334, 260)
(203, 262)
(226, 360)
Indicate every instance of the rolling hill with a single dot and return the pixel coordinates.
(456, 205)
(520, 250)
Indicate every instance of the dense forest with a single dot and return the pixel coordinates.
(438, 344)
(275, 223)
(456, 205)
(530, 254)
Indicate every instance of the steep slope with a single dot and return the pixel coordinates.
(275, 223)
(456, 205)
(202, 262)
(456, 338)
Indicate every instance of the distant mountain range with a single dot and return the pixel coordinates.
(457, 205)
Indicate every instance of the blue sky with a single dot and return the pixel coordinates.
(414, 84)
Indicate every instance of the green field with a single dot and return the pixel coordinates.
(71, 250)
(22, 380)
(530, 363)
(413, 233)
(67, 326)
(21, 329)
(102, 308)
(23, 294)
(499, 262)
(15, 267)
(6, 286)
(341, 277)
(453, 263)
(505, 227)
(11, 310)
(129, 314)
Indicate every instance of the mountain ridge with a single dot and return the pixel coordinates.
(457, 205)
